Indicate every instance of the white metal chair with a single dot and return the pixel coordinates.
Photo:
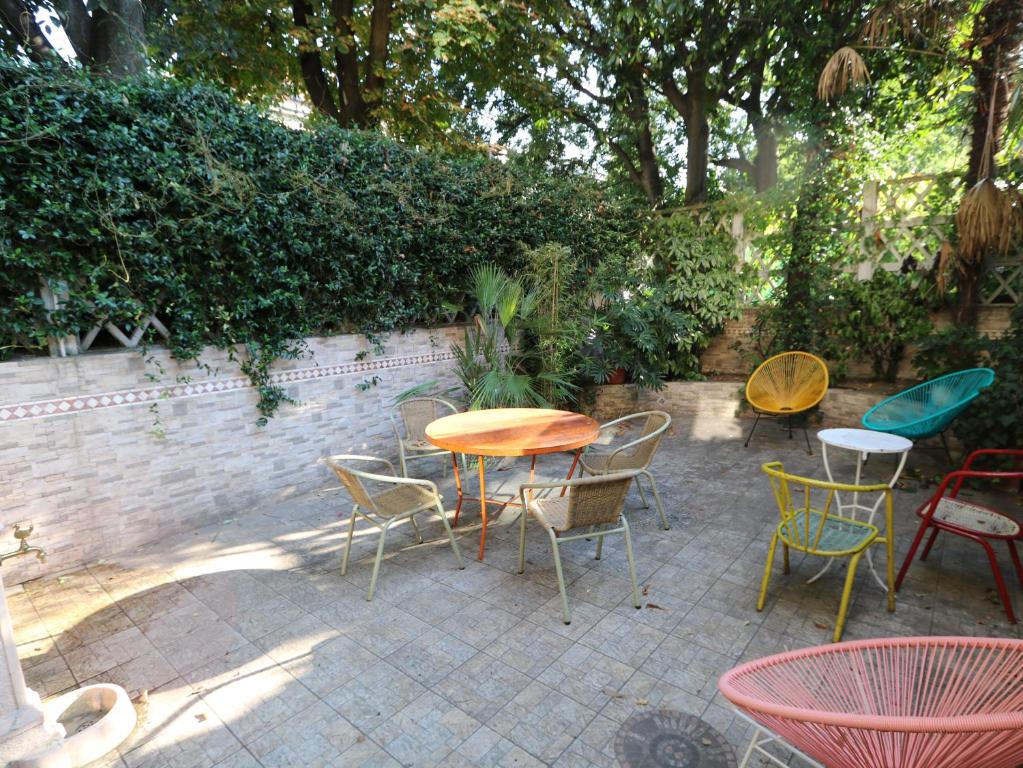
(633, 455)
(594, 504)
(414, 415)
(403, 500)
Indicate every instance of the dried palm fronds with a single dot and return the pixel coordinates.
(844, 67)
(988, 219)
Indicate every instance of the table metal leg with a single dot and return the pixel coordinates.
(888, 534)
(571, 470)
(458, 486)
(483, 505)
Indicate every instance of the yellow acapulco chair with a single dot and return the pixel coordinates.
(816, 530)
(785, 385)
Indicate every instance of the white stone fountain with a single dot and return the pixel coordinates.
(69, 731)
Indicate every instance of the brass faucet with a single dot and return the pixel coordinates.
(22, 534)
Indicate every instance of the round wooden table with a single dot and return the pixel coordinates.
(509, 432)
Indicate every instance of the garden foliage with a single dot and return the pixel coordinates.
(149, 195)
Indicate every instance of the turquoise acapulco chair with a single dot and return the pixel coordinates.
(927, 409)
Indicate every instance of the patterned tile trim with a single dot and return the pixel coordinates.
(40, 409)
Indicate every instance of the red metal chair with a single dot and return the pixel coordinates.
(946, 512)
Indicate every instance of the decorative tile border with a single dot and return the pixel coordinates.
(40, 409)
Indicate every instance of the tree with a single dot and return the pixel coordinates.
(369, 64)
(107, 36)
(981, 41)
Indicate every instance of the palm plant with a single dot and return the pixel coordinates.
(495, 370)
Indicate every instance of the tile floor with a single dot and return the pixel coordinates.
(255, 651)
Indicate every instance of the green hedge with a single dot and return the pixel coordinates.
(241, 233)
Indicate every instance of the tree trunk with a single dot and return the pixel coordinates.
(22, 24)
(765, 164)
(1000, 24)
(697, 140)
(638, 111)
(118, 38)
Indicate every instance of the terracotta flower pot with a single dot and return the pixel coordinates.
(617, 376)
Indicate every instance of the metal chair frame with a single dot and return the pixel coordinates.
(404, 457)
(655, 435)
(557, 539)
(808, 538)
(381, 519)
(927, 510)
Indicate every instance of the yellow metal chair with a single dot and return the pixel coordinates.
(785, 385)
(816, 530)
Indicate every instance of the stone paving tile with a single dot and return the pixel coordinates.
(643, 692)
(178, 728)
(387, 629)
(431, 656)
(529, 648)
(249, 691)
(256, 652)
(425, 732)
(586, 675)
(542, 721)
(624, 637)
(488, 749)
(482, 686)
(315, 737)
(479, 624)
(374, 695)
(191, 637)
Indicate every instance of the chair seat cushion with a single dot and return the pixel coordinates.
(551, 512)
(841, 535)
(403, 498)
(974, 517)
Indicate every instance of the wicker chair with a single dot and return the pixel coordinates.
(928, 409)
(414, 415)
(633, 455)
(944, 511)
(786, 385)
(404, 499)
(818, 531)
(593, 504)
(906, 702)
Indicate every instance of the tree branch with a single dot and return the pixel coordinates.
(379, 34)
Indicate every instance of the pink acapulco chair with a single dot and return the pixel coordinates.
(909, 702)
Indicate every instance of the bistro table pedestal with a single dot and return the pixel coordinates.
(509, 432)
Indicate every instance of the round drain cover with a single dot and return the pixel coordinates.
(665, 738)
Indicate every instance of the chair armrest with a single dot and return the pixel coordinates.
(961, 475)
(991, 452)
(340, 458)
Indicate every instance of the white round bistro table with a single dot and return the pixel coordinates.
(864, 442)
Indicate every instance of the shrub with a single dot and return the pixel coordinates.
(153, 195)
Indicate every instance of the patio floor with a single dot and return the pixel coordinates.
(256, 652)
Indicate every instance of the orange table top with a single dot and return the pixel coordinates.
(512, 431)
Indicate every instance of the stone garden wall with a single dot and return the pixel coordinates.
(103, 452)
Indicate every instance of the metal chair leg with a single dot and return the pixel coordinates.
(642, 496)
(600, 546)
(419, 536)
(566, 616)
(944, 443)
(806, 436)
(930, 543)
(1015, 560)
(376, 562)
(657, 498)
(767, 573)
(451, 538)
(843, 607)
(632, 563)
(1003, 593)
(754, 429)
(348, 546)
